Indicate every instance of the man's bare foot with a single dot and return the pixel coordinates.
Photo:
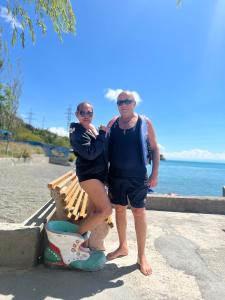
(120, 252)
(144, 266)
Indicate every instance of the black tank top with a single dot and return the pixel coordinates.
(125, 152)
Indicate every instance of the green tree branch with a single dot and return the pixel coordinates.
(60, 13)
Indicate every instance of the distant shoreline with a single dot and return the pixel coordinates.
(194, 161)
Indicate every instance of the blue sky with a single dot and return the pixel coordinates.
(173, 57)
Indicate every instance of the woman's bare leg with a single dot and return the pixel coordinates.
(90, 211)
(97, 195)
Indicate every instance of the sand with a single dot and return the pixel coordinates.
(23, 186)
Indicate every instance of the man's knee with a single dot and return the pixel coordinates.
(138, 212)
(120, 209)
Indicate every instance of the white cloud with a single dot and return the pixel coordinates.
(9, 18)
(195, 154)
(59, 131)
(113, 94)
(161, 147)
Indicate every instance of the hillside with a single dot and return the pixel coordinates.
(25, 132)
(12, 144)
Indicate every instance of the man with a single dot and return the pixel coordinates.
(128, 175)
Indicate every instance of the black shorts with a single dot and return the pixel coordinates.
(122, 190)
(101, 177)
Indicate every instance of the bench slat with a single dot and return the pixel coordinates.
(64, 182)
(78, 202)
(70, 195)
(84, 206)
(53, 183)
(65, 191)
(71, 202)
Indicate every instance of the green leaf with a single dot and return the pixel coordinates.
(33, 36)
(22, 36)
(8, 6)
(41, 24)
(14, 36)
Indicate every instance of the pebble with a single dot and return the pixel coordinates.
(23, 186)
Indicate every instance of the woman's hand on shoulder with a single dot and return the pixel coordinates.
(92, 128)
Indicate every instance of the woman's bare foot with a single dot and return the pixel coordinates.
(144, 266)
(120, 252)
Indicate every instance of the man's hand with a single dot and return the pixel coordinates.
(102, 127)
(152, 181)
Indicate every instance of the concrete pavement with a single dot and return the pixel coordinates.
(186, 251)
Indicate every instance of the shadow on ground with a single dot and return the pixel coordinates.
(40, 282)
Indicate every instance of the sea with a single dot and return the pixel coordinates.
(191, 178)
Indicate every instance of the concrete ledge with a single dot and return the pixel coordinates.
(193, 204)
(58, 160)
(21, 245)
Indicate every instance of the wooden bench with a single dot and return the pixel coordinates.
(70, 199)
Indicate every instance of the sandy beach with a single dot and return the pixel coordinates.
(23, 186)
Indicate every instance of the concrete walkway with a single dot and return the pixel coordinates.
(187, 253)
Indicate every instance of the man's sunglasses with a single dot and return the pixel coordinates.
(86, 113)
(126, 101)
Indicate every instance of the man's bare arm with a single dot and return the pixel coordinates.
(153, 178)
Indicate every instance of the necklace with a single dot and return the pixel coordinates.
(126, 124)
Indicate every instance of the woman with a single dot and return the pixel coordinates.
(91, 165)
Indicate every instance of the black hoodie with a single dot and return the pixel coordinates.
(89, 151)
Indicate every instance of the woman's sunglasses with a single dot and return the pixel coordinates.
(126, 101)
(86, 113)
